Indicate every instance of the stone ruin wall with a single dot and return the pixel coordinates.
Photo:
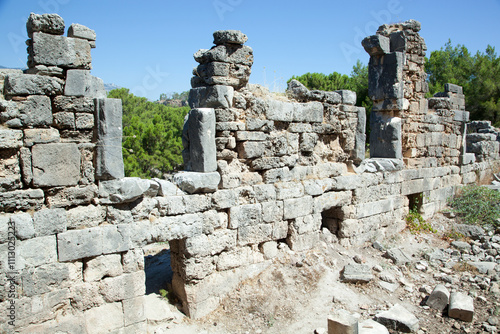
(262, 171)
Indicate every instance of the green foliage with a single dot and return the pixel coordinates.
(152, 143)
(175, 96)
(478, 74)
(414, 220)
(477, 205)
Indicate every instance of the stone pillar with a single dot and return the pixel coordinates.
(397, 86)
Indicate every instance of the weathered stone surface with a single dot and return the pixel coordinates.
(298, 90)
(348, 96)
(82, 83)
(329, 200)
(385, 136)
(298, 207)
(308, 112)
(64, 197)
(10, 173)
(370, 326)
(78, 244)
(23, 224)
(105, 318)
(245, 215)
(251, 149)
(217, 96)
(357, 273)
(229, 53)
(448, 87)
(35, 111)
(75, 104)
(470, 231)
(439, 298)
(51, 71)
(483, 267)
(377, 45)
(50, 221)
(109, 156)
(29, 84)
(85, 216)
(461, 307)
(10, 138)
(80, 31)
(342, 323)
(385, 75)
(47, 23)
(21, 200)
(40, 136)
(229, 36)
(198, 139)
(398, 318)
(56, 164)
(123, 190)
(103, 266)
(66, 52)
(192, 182)
(398, 256)
(37, 251)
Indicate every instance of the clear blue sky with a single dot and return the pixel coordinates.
(147, 46)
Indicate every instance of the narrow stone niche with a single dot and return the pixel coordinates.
(158, 268)
(332, 219)
(415, 201)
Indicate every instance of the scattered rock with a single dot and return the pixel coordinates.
(371, 327)
(398, 256)
(398, 318)
(461, 307)
(439, 298)
(342, 323)
(357, 273)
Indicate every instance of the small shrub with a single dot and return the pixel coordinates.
(477, 205)
(417, 224)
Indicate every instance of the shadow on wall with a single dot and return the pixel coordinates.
(158, 271)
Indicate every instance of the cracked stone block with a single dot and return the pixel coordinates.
(198, 139)
(56, 164)
(82, 83)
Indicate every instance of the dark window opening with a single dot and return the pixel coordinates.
(415, 201)
(332, 220)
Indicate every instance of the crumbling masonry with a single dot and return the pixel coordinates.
(261, 171)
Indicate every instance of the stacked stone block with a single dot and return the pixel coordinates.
(261, 171)
(483, 141)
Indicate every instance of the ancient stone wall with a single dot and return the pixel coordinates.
(262, 171)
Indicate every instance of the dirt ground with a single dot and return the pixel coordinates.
(300, 290)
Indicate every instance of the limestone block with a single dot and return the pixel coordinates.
(198, 139)
(254, 234)
(133, 309)
(51, 71)
(269, 249)
(358, 154)
(84, 121)
(81, 83)
(167, 188)
(264, 192)
(209, 245)
(56, 164)
(347, 182)
(342, 323)
(66, 52)
(77, 244)
(374, 208)
(330, 200)
(213, 220)
(398, 318)
(217, 96)
(245, 215)
(10, 138)
(85, 216)
(224, 199)
(377, 45)
(123, 287)
(64, 120)
(298, 207)
(37, 251)
(105, 318)
(439, 298)
(308, 112)
(461, 307)
(229, 53)
(40, 136)
(308, 142)
(307, 224)
(80, 31)
(34, 111)
(21, 200)
(47, 23)
(63, 103)
(272, 211)
(448, 87)
(10, 172)
(50, 221)
(103, 266)
(370, 326)
(180, 227)
(23, 224)
(384, 74)
(57, 197)
(357, 273)
(301, 242)
(109, 157)
(229, 36)
(348, 96)
(298, 90)
(280, 111)
(29, 84)
(385, 136)
(285, 190)
(192, 182)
